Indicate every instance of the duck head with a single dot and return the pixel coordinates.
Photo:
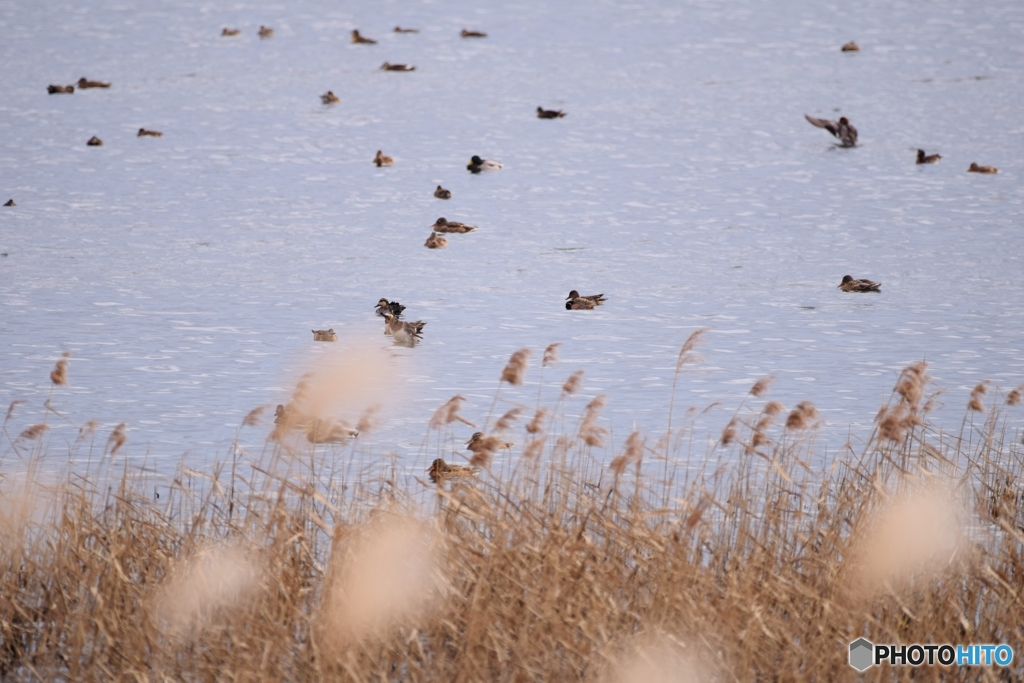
(573, 295)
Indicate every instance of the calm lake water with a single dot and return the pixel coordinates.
(184, 273)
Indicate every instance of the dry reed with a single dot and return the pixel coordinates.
(762, 569)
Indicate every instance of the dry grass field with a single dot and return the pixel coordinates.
(559, 561)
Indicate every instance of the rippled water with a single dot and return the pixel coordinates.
(184, 273)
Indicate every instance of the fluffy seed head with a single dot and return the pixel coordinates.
(515, 369)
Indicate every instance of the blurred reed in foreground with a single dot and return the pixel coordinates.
(575, 564)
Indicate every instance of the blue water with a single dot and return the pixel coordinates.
(184, 273)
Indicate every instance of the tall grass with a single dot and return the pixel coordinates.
(562, 561)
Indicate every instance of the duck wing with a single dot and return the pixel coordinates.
(830, 126)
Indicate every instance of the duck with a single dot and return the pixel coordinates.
(850, 285)
(842, 129)
(440, 470)
(850, 47)
(60, 89)
(476, 164)
(289, 417)
(478, 442)
(929, 159)
(442, 193)
(149, 133)
(549, 113)
(84, 83)
(444, 225)
(10, 202)
(396, 67)
(329, 98)
(230, 32)
(324, 335)
(392, 307)
(399, 29)
(404, 332)
(382, 160)
(361, 40)
(598, 299)
(975, 168)
(327, 431)
(265, 31)
(435, 241)
(472, 34)
(95, 142)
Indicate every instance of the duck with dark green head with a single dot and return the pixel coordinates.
(476, 164)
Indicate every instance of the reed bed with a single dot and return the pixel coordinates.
(563, 560)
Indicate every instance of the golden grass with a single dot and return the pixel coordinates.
(570, 564)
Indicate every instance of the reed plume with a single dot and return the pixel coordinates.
(537, 423)
(507, 420)
(117, 438)
(573, 384)
(59, 375)
(803, 416)
(976, 403)
(515, 369)
(449, 413)
(590, 432)
(252, 418)
(761, 386)
(550, 355)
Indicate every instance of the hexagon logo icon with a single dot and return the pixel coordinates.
(861, 654)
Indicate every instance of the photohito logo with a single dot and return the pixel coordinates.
(865, 654)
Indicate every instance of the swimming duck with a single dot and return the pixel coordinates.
(404, 332)
(478, 442)
(356, 38)
(549, 113)
(435, 241)
(975, 168)
(84, 83)
(843, 130)
(440, 470)
(289, 417)
(442, 193)
(230, 32)
(150, 133)
(392, 307)
(397, 67)
(329, 98)
(930, 159)
(382, 160)
(596, 298)
(476, 164)
(60, 89)
(399, 29)
(850, 47)
(327, 431)
(444, 225)
(850, 285)
(265, 31)
(324, 335)
(472, 34)
(95, 142)
(10, 202)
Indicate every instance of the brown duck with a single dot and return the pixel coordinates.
(440, 470)
(922, 158)
(149, 133)
(265, 32)
(850, 285)
(60, 89)
(84, 83)
(382, 160)
(230, 32)
(361, 40)
(396, 67)
(399, 29)
(549, 113)
(850, 47)
(95, 142)
(472, 34)
(435, 241)
(329, 98)
(975, 168)
(444, 225)
(841, 129)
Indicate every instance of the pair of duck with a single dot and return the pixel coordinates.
(83, 84)
(442, 225)
(402, 331)
(575, 302)
(922, 158)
